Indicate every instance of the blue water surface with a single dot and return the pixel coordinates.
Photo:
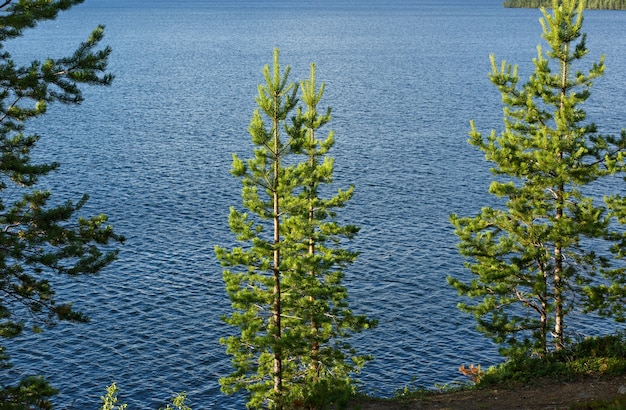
(404, 79)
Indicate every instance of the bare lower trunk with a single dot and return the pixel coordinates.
(558, 280)
(558, 251)
(558, 299)
(315, 348)
(544, 319)
(278, 378)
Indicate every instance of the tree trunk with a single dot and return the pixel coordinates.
(544, 314)
(558, 252)
(278, 377)
(558, 298)
(314, 327)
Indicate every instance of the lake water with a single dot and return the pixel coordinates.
(154, 153)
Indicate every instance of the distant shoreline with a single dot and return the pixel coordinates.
(591, 4)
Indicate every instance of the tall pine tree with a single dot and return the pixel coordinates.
(285, 283)
(39, 240)
(254, 286)
(535, 261)
(318, 254)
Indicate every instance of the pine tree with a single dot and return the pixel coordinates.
(255, 289)
(37, 239)
(318, 236)
(285, 284)
(535, 261)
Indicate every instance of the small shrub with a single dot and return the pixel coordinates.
(109, 401)
(473, 372)
(591, 356)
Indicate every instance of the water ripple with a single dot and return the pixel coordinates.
(154, 152)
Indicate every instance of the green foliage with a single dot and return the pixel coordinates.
(285, 282)
(609, 299)
(590, 4)
(315, 237)
(255, 286)
(178, 402)
(324, 393)
(591, 357)
(415, 391)
(109, 401)
(618, 403)
(39, 240)
(533, 261)
(32, 393)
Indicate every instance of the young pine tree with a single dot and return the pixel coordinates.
(317, 260)
(534, 261)
(254, 284)
(285, 284)
(39, 240)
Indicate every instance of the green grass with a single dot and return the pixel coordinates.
(604, 355)
(617, 404)
(594, 356)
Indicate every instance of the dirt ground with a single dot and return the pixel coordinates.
(541, 395)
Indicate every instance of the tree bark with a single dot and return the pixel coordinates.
(314, 327)
(558, 251)
(278, 377)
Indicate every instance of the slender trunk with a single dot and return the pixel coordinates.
(278, 377)
(558, 297)
(558, 251)
(314, 326)
(315, 348)
(544, 316)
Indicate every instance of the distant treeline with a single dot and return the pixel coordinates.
(591, 4)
